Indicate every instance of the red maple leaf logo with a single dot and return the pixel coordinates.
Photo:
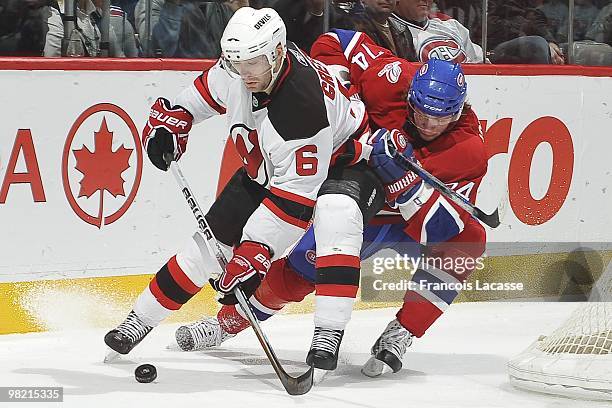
(102, 168)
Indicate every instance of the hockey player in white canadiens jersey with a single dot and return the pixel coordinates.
(296, 130)
(437, 37)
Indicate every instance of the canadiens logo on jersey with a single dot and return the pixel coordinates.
(311, 256)
(392, 71)
(441, 48)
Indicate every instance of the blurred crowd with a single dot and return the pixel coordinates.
(513, 31)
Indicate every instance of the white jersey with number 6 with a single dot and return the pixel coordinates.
(285, 140)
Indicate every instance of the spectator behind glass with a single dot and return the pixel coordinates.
(601, 29)
(519, 34)
(140, 18)
(555, 12)
(128, 7)
(124, 31)
(24, 26)
(192, 28)
(584, 15)
(303, 19)
(467, 12)
(428, 38)
(376, 24)
(305, 22)
(88, 32)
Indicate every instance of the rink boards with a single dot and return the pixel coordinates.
(86, 219)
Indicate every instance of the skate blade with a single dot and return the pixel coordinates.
(319, 375)
(111, 357)
(375, 368)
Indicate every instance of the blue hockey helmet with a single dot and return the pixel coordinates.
(438, 89)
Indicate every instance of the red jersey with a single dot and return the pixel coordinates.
(381, 78)
(457, 157)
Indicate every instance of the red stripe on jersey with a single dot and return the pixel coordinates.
(180, 278)
(358, 152)
(340, 151)
(201, 84)
(417, 314)
(293, 197)
(345, 91)
(364, 126)
(326, 289)
(283, 215)
(163, 300)
(338, 260)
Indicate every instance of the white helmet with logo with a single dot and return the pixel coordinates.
(251, 33)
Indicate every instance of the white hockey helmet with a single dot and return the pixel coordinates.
(251, 33)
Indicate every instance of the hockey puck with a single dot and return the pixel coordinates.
(145, 373)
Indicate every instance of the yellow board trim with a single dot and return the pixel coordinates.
(105, 301)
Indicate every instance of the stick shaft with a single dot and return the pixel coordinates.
(294, 386)
(492, 220)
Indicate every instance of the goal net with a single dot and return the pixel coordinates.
(576, 359)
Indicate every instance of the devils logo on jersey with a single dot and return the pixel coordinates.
(247, 145)
(441, 48)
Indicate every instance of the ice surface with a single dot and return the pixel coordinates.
(459, 363)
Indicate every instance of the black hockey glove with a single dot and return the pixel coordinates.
(166, 132)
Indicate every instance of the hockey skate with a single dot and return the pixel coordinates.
(388, 350)
(126, 336)
(324, 349)
(202, 334)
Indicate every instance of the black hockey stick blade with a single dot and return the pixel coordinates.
(300, 385)
(492, 220)
(293, 385)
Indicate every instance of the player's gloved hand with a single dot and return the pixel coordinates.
(247, 267)
(166, 132)
(400, 185)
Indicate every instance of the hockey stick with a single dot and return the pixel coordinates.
(492, 220)
(293, 385)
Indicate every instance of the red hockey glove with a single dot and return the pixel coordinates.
(249, 264)
(166, 132)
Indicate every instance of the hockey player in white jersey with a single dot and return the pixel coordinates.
(452, 149)
(437, 37)
(296, 130)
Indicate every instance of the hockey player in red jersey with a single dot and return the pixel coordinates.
(440, 130)
(380, 78)
(296, 130)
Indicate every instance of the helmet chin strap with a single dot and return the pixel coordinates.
(274, 75)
